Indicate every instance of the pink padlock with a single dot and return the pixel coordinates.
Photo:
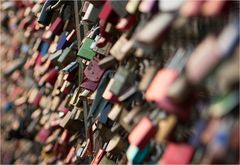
(158, 91)
(142, 133)
(177, 154)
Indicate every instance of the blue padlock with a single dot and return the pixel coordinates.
(62, 43)
(44, 48)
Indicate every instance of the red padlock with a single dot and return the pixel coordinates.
(57, 26)
(108, 14)
(142, 133)
(37, 99)
(52, 76)
(177, 154)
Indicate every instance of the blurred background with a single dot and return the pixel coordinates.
(22, 114)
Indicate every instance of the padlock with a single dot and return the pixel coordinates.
(123, 78)
(44, 48)
(54, 57)
(147, 78)
(139, 137)
(32, 94)
(107, 62)
(89, 85)
(62, 109)
(116, 145)
(66, 88)
(115, 112)
(102, 50)
(107, 13)
(69, 123)
(93, 72)
(49, 77)
(117, 49)
(107, 16)
(46, 13)
(108, 95)
(154, 31)
(37, 99)
(85, 51)
(165, 127)
(201, 52)
(159, 94)
(91, 14)
(71, 67)
(127, 118)
(62, 43)
(55, 28)
(227, 40)
(43, 102)
(184, 156)
(68, 55)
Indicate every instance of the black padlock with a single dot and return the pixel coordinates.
(46, 13)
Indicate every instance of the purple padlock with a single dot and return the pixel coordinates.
(89, 85)
(93, 72)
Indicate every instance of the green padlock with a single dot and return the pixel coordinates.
(68, 55)
(123, 78)
(85, 51)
